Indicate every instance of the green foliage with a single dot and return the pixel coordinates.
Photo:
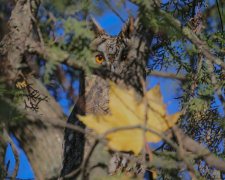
(69, 7)
(202, 120)
(8, 113)
(65, 31)
(2, 87)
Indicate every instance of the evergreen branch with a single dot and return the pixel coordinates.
(48, 53)
(215, 83)
(187, 33)
(200, 45)
(196, 148)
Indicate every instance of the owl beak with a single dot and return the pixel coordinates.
(115, 69)
(112, 68)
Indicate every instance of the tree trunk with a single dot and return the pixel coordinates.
(41, 141)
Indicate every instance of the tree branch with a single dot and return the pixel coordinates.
(196, 148)
(3, 147)
(200, 45)
(48, 53)
(188, 143)
(210, 68)
(33, 117)
(166, 75)
(13, 46)
(15, 153)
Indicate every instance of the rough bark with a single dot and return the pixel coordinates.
(3, 146)
(40, 141)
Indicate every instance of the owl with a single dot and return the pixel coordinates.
(110, 53)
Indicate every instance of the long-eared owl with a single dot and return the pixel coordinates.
(111, 53)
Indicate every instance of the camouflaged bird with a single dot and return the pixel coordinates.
(111, 52)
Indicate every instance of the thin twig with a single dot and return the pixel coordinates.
(170, 142)
(56, 39)
(193, 86)
(110, 7)
(29, 11)
(221, 20)
(15, 153)
(3, 147)
(149, 151)
(215, 83)
(188, 143)
(40, 36)
(70, 175)
(182, 154)
(66, 84)
(144, 121)
(85, 174)
(55, 122)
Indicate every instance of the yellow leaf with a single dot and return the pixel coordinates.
(125, 111)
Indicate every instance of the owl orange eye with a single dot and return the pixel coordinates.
(99, 58)
(124, 58)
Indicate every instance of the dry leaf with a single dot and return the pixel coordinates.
(126, 112)
(21, 85)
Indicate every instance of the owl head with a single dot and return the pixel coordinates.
(111, 51)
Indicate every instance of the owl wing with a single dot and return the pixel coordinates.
(73, 146)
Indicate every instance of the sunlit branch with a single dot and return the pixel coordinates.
(166, 75)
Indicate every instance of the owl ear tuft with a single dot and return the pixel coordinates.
(128, 28)
(96, 28)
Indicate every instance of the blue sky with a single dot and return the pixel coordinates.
(25, 170)
(113, 25)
